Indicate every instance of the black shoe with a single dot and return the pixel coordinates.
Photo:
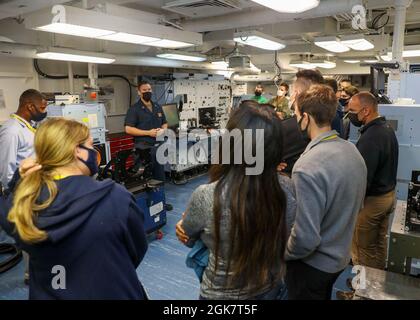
(168, 207)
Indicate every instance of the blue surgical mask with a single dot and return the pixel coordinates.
(92, 161)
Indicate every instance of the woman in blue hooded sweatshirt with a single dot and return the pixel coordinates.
(85, 238)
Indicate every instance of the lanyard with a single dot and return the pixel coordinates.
(24, 122)
(332, 137)
(60, 177)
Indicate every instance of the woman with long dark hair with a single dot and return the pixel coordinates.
(244, 219)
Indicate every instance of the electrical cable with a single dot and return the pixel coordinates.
(277, 79)
(377, 19)
(385, 24)
(164, 92)
(170, 88)
(233, 51)
(77, 76)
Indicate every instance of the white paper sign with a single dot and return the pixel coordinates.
(93, 120)
(155, 209)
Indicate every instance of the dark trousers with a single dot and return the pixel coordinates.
(308, 283)
(148, 156)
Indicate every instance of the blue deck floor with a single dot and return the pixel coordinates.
(163, 271)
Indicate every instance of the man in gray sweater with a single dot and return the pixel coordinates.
(330, 181)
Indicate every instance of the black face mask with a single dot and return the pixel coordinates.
(344, 102)
(354, 119)
(258, 93)
(304, 132)
(147, 96)
(38, 116)
(92, 161)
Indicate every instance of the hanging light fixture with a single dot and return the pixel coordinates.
(64, 54)
(357, 42)
(98, 25)
(331, 44)
(288, 6)
(259, 40)
(182, 55)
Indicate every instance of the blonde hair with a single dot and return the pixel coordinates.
(55, 142)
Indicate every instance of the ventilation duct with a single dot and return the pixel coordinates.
(202, 8)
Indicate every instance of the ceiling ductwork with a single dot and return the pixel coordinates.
(255, 17)
(202, 8)
(13, 8)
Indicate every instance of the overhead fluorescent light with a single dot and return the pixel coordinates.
(409, 52)
(148, 41)
(325, 64)
(332, 44)
(371, 60)
(357, 42)
(352, 61)
(170, 44)
(289, 6)
(221, 64)
(6, 39)
(102, 34)
(313, 64)
(128, 37)
(181, 55)
(387, 57)
(302, 64)
(64, 54)
(98, 25)
(75, 30)
(259, 40)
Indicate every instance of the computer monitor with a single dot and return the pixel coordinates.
(172, 115)
(207, 116)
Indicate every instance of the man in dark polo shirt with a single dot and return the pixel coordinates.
(145, 120)
(378, 145)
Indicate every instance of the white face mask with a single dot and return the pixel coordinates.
(280, 93)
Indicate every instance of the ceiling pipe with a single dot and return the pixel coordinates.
(399, 29)
(27, 51)
(71, 76)
(394, 85)
(256, 17)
